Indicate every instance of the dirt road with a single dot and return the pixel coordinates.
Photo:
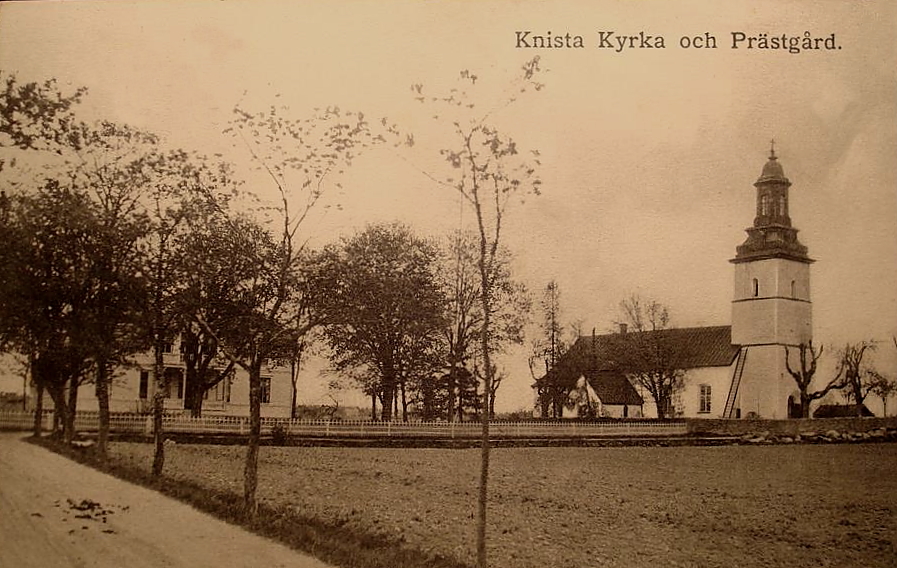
(57, 513)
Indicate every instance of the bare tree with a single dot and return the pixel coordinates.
(803, 375)
(647, 354)
(488, 172)
(884, 388)
(297, 156)
(511, 309)
(548, 349)
(858, 376)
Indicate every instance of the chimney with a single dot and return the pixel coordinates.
(623, 328)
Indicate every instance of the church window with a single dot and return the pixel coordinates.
(764, 205)
(793, 289)
(755, 287)
(704, 402)
(781, 206)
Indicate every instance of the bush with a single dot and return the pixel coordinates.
(279, 435)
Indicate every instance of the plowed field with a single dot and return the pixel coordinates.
(770, 506)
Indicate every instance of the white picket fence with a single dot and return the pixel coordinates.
(142, 424)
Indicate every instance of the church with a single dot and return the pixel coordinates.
(734, 371)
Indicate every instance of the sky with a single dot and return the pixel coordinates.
(648, 154)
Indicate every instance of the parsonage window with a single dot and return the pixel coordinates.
(266, 389)
(704, 406)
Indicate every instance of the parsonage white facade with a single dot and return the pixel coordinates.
(133, 388)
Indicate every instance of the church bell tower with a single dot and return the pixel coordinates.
(771, 308)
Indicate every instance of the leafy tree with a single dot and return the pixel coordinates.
(115, 167)
(803, 376)
(383, 310)
(488, 172)
(182, 208)
(203, 283)
(646, 354)
(43, 286)
(35, 116)
(460, 281)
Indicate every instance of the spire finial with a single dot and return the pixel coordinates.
(772, 149)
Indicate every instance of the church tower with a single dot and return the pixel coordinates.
(771, 308)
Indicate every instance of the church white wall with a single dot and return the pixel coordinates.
(771, 320)
(780, 313)
(689, 399)
(774, 277)
(765, 384)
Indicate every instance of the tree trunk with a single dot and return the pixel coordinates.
(858, 397)
(39, 410)
(57, 395)
(158, 407)
(68, 427)
(250, 471)
(459, 407)
(294, 376)
(102, 392)
(804, 404)
(389, 392)
(373, 406)
(485, 298)
(193, 396)
(404, 403)
(451, 389)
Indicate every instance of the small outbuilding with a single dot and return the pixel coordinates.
(603, 394)
(841, 411)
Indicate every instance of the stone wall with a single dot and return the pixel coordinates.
(787, 427)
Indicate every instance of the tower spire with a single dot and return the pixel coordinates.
(772, 234)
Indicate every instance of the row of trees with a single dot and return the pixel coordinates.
(400, 317)
(855, 375)
(117, 244)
